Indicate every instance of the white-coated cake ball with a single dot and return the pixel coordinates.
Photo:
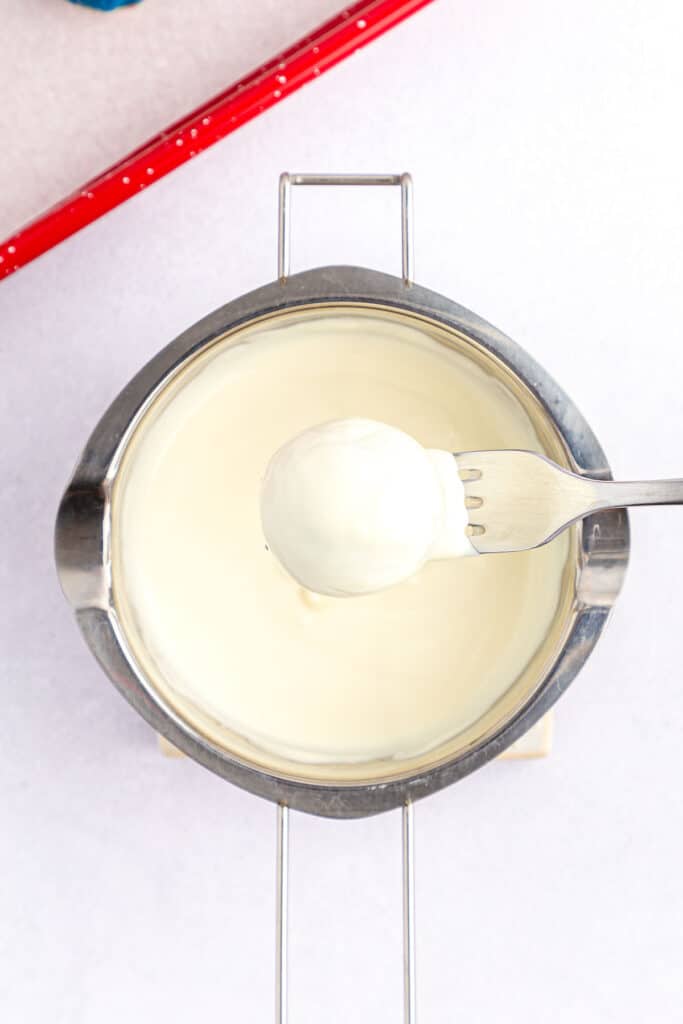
(351, 506)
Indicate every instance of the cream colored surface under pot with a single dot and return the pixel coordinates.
(308, 686)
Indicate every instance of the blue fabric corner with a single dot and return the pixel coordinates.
(105, 5)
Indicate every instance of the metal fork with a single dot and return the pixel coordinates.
(518, 500)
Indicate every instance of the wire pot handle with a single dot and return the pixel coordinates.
(404, 181)
(282, 908)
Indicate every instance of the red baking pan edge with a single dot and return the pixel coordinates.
(262, 88)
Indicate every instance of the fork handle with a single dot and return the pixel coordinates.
(621, 494)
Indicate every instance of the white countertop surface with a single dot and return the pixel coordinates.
(545, 146)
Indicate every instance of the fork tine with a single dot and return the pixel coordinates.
(475, 530)
(467, 475)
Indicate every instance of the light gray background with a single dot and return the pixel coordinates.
(544, 139)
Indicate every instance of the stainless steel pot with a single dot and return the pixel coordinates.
(83, 521)
(83, 529)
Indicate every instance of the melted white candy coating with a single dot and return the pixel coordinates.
(355, 506)
(306, 684)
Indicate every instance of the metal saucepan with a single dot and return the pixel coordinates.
(83, 532)
(83, 537)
